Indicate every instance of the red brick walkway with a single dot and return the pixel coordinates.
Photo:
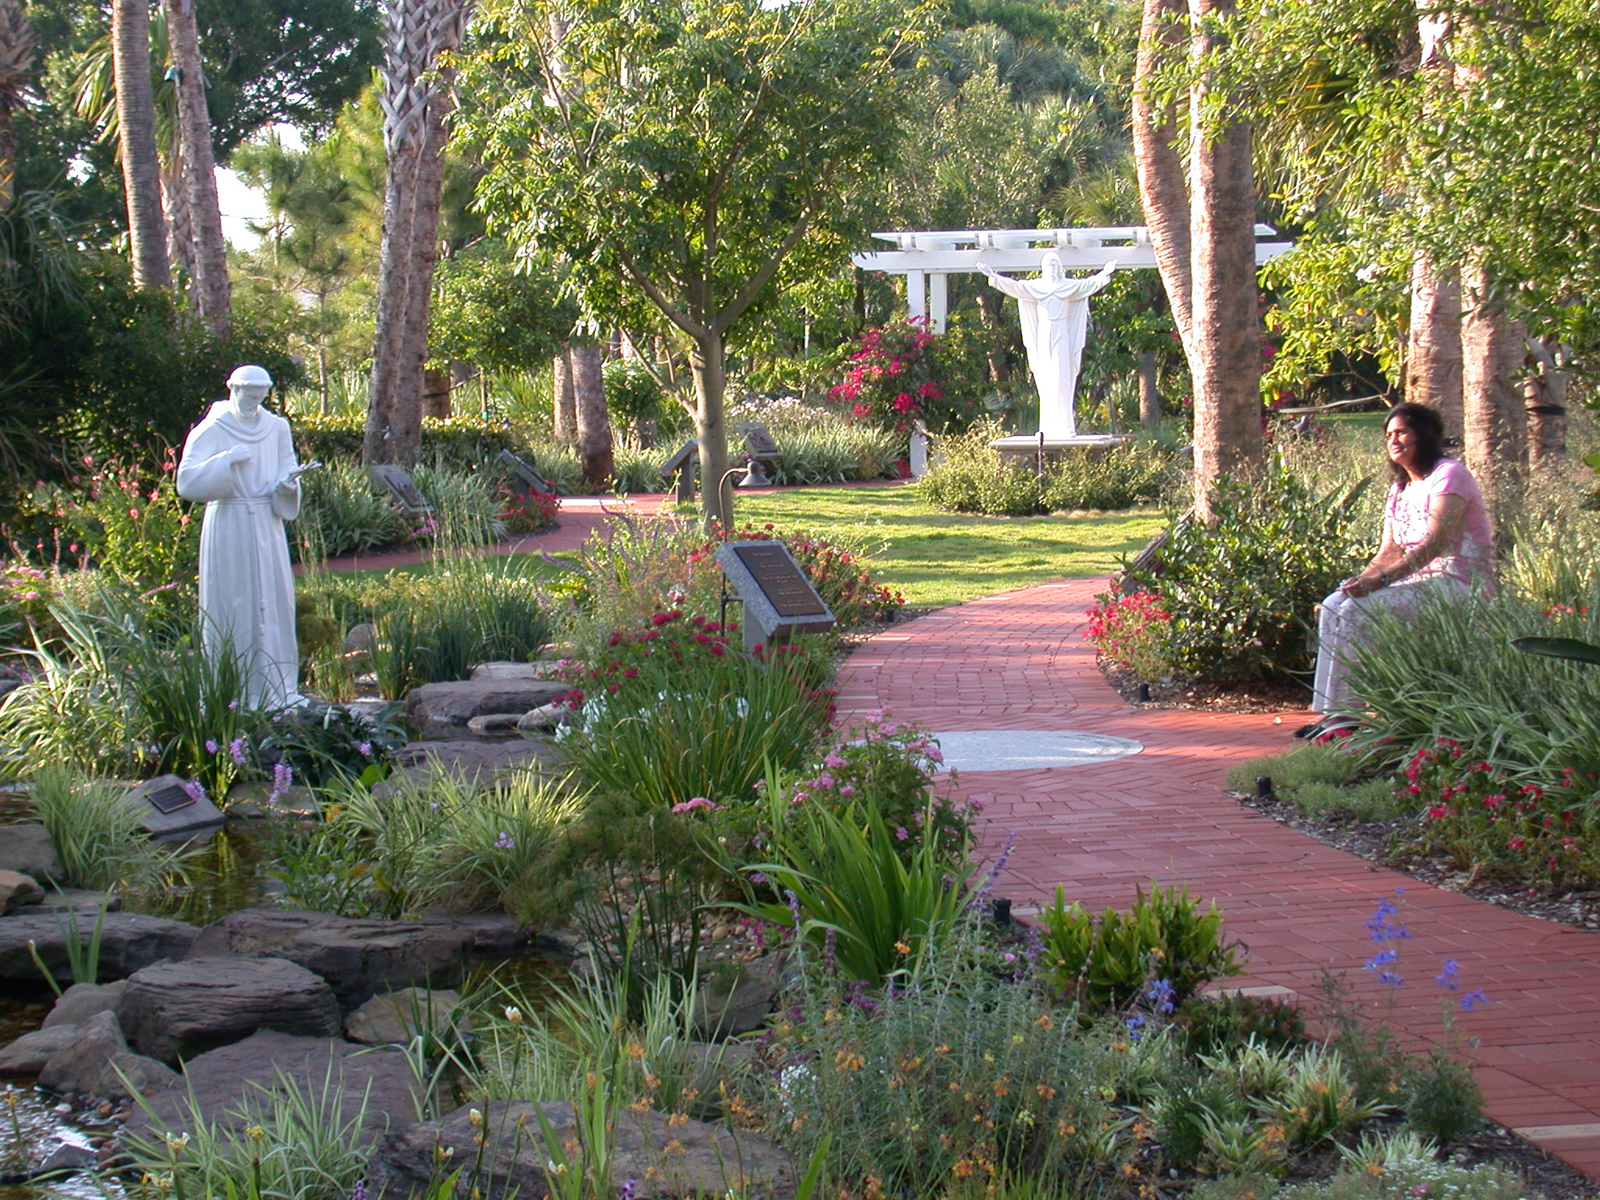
(1018, 662)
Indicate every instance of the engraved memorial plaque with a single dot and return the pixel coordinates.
(781, 580)
(524, 479)
(402, 490)
(758, 442)
(170, 799)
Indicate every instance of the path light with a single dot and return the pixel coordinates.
(1144, 693)
(1002, 911)
(1264, 787)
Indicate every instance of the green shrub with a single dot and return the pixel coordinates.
(633, 396)
(1241, 590)
(1110, 961)
(970, 476)
(827, 450)
(465, 443)
(464, 610)
(877, 916)
(343, 512)
(673, 712)
(1120, 478)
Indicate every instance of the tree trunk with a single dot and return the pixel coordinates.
(1225, 317)
(1163, 189)
(996, 336)
(175, 207)
(1544, 395)
(1149, 396)
(436, 390)
(136, 118)
(16, 65)
(212, 292)
(564, 416)
(1433, 358)
(593, 421)
(415, 101)
(711, 428)
(1494, 419)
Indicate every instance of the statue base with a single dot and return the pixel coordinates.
(1027, 448)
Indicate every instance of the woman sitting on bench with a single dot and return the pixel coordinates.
(1437, 541)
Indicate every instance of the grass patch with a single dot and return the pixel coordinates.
(1324, 781)
(940, 558)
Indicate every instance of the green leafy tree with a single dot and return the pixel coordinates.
(693, 154)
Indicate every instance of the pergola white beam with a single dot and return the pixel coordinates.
(927, 257)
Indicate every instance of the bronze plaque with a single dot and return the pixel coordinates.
(170, 799)
(402, 489)
(781, 580)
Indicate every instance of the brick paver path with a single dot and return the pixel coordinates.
(1018, 662)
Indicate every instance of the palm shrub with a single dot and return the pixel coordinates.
(1239, 591)
(674, 711)
(827, 450)
(1107, 962)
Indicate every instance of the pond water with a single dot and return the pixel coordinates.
(223, 876)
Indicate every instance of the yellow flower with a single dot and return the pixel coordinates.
(901, 948)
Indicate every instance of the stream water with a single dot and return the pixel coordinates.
(223, 876)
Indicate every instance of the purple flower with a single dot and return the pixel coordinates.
(1446, 978)
(211, 745)
(1472, 1000)
(757, 877)
(628, 1191)
(505, 841)
(1135, 1023)
(359, 1192)
(901, 832)
(833, 762)
(365, 749)
(237, 748)
(196, 790)
(1160, 995)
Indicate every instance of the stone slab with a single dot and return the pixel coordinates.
(1030, 749)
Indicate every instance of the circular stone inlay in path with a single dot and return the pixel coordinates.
(1030, 749)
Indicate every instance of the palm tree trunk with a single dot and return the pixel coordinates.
(1163, 190)
(1149, 396)
(16, 66)
(1544, 395)
(1226, 357)
(399, 205)
(213, 293)
(564, 415)
(1493, 415)
(136, 116)
(594, 422)
(1433, 359)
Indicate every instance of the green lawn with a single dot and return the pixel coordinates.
(941, 558)
(935, 558)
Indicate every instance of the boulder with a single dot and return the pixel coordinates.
(666, 1157)
(98, 1063)
(128, 941)
(359, 639)
(17, 889)
(83, 1000)
(544, 718)
(727, 1006)
(442, 710)
(477, 759)
(168, 810)
(358, 958)
(494, 725)
(29, 1053)
(29, 850)
(178, 1010)
(503, 671)
(494, 934)
(400, 1016)
(336, 1077)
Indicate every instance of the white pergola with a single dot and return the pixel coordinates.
(928, 258)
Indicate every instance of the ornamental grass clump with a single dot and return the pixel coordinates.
(675, 710)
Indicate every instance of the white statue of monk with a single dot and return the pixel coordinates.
(240, 462)
(1055, 320)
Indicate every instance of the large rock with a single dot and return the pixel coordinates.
(83, 1000)
(417, 763)
(335, 1077)
(358, 958)
(728, 1005)
(178, 1010)
(29, 1053)
(400, 1016)
(17, 889)
(128, 941)
(169, 810)
(98, 1063)
(503, 671)
(688, 1158)
(442, 710)
(29, 850)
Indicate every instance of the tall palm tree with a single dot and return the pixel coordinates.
(136, 121)
(208, 257)
(16, 67)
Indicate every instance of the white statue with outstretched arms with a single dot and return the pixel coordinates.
(239, 461)
(1055, 321)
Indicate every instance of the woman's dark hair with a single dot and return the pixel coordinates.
(1427, 427)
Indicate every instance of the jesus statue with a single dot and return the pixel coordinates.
(1055, 319)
